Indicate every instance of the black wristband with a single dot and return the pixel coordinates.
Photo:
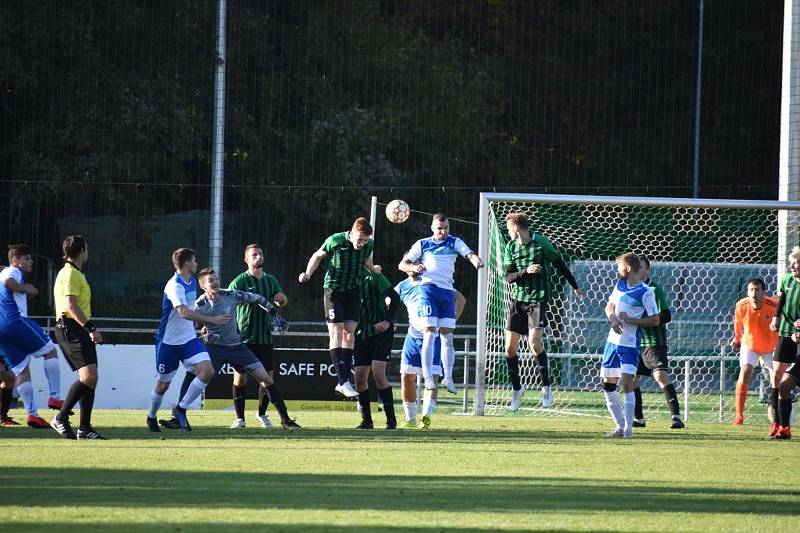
(89, 326)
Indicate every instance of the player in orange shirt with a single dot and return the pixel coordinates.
(753, 338)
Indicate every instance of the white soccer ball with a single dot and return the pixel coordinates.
(397, 211)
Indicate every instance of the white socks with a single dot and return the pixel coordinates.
(614, 407)
(26, 393)
(410, 409)
(428, 349)
(53, 372)
(428, 406)
(155, 403)
(630, 404)
(448, 355)
(196, 388)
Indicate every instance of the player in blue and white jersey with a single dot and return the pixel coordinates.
(434, 259)
(177, 342)
(632, 304)
(19, 267)
(20, 337)
(410, 359)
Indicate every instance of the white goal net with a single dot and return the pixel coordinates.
(702, 253)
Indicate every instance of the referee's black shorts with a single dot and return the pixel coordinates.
(75, 343)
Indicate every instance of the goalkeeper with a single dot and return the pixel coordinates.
(527, 259)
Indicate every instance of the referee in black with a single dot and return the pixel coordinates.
(77, 336)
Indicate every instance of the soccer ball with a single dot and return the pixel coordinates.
(397, 211)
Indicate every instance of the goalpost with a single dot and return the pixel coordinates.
(702, 252)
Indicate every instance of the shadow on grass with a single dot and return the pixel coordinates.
(577, 434)
(99, 487)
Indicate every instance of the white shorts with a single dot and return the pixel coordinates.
(749, 357)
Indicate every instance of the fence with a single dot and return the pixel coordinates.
(577, 391)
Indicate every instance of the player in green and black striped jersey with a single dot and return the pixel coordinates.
(255, 325)
(373, 345)
(527, 259)
(787, 323)
(348, 253)
(653, 361)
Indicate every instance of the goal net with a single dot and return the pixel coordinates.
(702, 254)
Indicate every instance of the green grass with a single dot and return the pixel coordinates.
(490, 473)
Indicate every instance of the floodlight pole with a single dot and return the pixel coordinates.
(697, 100)
(789, 158)
(218, 148)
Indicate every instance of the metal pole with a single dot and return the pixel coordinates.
(722, 382)
(373, 212)
(218, 147)
(687, 372)
(789, 150)
(697, 99)
(483, 288)
(465, 399)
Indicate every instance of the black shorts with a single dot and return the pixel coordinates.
(653, 358)
(75, 343)
(375, 348)
(239, 357)
(786, 351)
(265, 354)
(521, 317)
(794, 371)
(342, 306)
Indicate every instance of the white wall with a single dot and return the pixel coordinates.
(126, 378)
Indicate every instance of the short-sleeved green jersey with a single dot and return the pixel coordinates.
(656, 336)
(790, 288)
(345, 263)
(255, 324)
(531, 287)
(373, 303)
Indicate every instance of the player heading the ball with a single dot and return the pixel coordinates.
(348, 252)
(434, 258)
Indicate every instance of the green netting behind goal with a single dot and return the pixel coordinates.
(702, 256)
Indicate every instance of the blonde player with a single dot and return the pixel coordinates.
(753, 338)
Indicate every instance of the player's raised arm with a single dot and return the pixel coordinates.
(313, 263)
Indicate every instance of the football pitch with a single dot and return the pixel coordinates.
(465, 473)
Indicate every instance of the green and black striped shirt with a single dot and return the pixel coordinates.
(255, 324)
(656, 336)
(345, 263)
(517, 257)
(373, 303)
(790, 289)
